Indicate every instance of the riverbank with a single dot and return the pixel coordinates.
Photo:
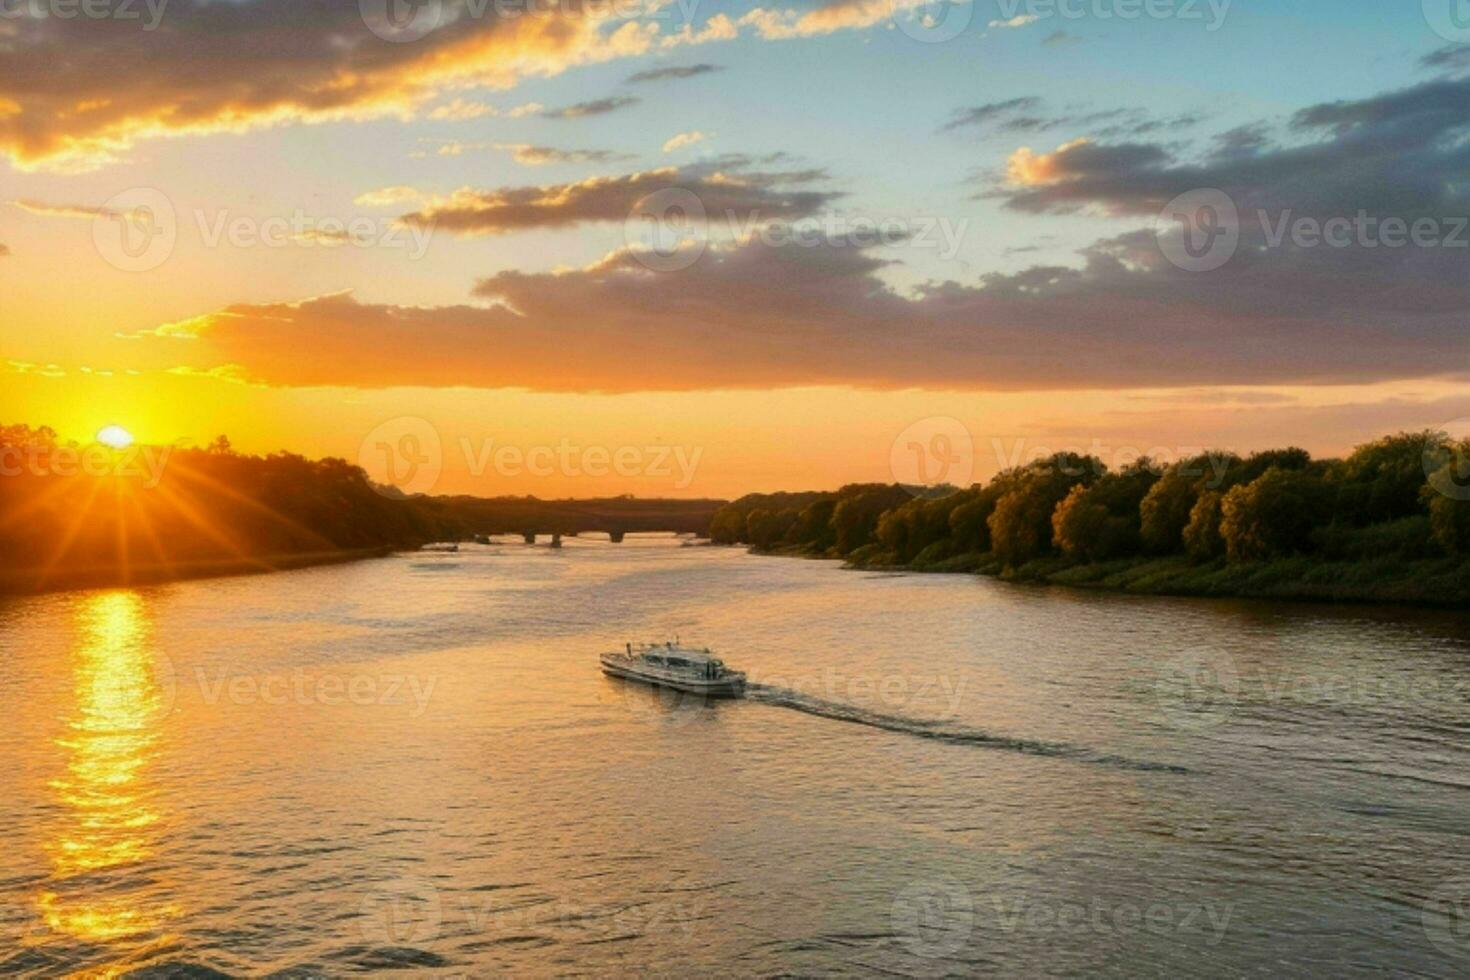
(1439, 583)
(32, 581)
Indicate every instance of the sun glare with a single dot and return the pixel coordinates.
(115, 436)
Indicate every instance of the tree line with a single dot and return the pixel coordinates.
(68, 509)
(1403, 495)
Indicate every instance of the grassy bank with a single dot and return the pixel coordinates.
(1420, 582)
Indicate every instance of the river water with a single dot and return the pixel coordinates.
(414, 763)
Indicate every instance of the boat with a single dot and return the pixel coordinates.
(673, 666)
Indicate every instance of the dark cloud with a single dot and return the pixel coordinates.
(1450, 58)
(746, 195)
(1025, 115)
(1399, 154)
(759, 316)
(981, 114)
(597, 107)
(1245, 140)
(673, 73)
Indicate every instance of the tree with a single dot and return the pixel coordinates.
(765, 529)
(1202, 540)
(1021, 525)
(1273, 515)
(1447, 496)
(1079, 525)
(855, 520)
(1165, 510)
(1382, 480)
(813, 527)
(727, 526)
(968, 526)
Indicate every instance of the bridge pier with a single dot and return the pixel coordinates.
(616, 537)
(556, 540)
(530, 536)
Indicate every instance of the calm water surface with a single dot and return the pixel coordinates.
(415, 764)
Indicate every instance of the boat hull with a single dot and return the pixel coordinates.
(629, 669)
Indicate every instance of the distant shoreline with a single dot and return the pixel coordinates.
(1428, 583)
(31, 581)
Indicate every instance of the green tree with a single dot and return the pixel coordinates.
(1202, 540)
(1447, 496)
(1021, 525)
(1165, 511)
(1382, 480)
(1079, 525)
(1273, 515)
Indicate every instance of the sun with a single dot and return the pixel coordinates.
(115, 436)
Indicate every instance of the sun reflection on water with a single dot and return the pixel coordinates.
(108, 802)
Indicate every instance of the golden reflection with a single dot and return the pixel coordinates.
(105, 795)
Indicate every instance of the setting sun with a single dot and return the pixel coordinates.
(115, 436)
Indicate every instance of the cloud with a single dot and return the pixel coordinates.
(990, 111)
(454, 148)
(672, 73)
(684, 140)
(387, 197)
(1450, 58)
(1076, 161)
(757, 314)
(47, 210)
(4, 250)
(1027, 114)
(597, 107)
(784, 24)
(529, 155)
(1402, 153)
(77, 93)
(470, 211)
(82, 91)
(1019, 21)
(1058, 38)
(459, 110)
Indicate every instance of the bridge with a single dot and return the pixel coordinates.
(533, 519)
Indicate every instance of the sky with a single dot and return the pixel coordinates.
(680, 248)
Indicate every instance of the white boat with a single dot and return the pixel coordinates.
(670, 665)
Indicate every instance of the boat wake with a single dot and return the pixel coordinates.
(943, 731)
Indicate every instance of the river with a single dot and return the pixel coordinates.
(414, 762)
